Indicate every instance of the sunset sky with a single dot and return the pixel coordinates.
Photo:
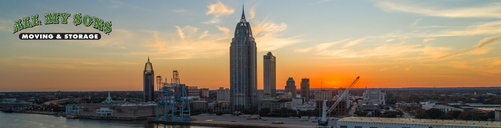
(388, 43)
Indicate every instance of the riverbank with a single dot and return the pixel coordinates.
(23, 120)
(235, 121)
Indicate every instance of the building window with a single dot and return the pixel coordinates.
(358, 126)
(372, 127)
(343, 126)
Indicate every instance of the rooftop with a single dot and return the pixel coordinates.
(423, 121)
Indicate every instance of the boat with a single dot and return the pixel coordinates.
(69, 116)
(277, 122)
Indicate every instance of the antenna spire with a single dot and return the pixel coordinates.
(242, 19)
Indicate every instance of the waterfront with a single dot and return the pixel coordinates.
(22, 120)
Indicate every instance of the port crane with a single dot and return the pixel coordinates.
(323, 121)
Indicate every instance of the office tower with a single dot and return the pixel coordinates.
(243, 70)
(291, 87)
(148, 82)
(269, 74)
(305, 89)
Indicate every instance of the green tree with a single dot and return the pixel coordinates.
(264, 111)
(491, 115)
(445, 116)
(454, 113)
(434, 113)
(422, 115)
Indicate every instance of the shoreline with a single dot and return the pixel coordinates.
(229, 124)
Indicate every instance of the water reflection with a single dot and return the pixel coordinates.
(21, 120)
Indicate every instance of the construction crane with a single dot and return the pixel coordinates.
(323, 121)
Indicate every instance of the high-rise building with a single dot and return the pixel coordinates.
(270, 75)
(223, 94)
(148, 82)
(243, 70)
(305, 89)
(291, 87)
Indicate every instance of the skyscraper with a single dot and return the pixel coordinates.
(291, 87)
(305, 89)
(270, 75)
(243, 70)
(148, 82)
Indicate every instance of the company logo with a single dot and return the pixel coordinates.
(62, 18)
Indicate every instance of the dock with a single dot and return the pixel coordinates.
(235, 121)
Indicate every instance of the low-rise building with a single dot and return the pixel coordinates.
(223, 94)
(497, 114)
(193, 92)
(221, 106)
(374, 96)
(297, 101)
(275, 104)
(117, 110)
(340, 109)
(376, 122)
(204, 92)
(323, 95)
(200, 105)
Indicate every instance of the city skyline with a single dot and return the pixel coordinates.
(396, 44)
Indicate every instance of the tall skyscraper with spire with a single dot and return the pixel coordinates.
(243, 70)
(148, 82)
(269, 75)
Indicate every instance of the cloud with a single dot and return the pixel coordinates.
(303, 50)
(160, 43)
(204, 34)
(381, 51)
(384, 50)
(389, 40)
(490, 10)
(483, 28)
(5, 28)
(408, 68)
(267, 35)
(119, 39)
(122, 47)
(387, 68)
(224, 29)
(252, 12)
(217, 10)
(179, 11)
(187, 29)
(487, 65)
(415, 22)
(193, 45)
(428, 39)
(71, 63)
(354, 42)
(323, 1)
(320, 47)
(212, 21)
(476, 50)
(115, 4)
